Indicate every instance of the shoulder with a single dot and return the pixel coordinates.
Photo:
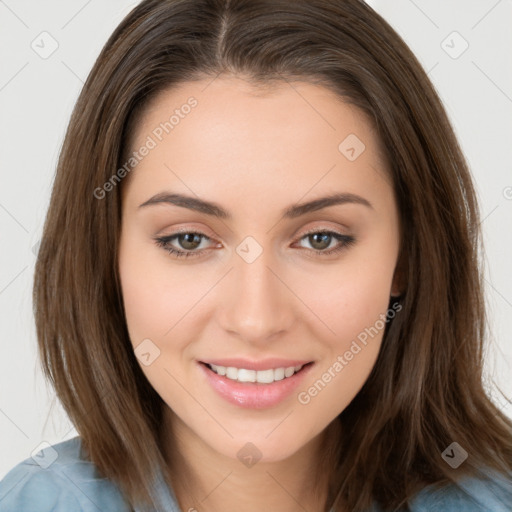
(492, 492)
(58, 479)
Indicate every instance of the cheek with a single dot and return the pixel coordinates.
(142, 299)
(353, 302)
(364, 298)
(155, 299)
(155, 296)
(358, 320)
(351, 297)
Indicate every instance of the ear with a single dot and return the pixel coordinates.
(396, 289)
(398, 283)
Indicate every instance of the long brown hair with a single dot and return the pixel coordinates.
(425, 390)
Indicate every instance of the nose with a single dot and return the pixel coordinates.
(259, 303)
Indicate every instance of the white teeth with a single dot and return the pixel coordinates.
(232, 373)
(279, 373)
(246, 375)
(261, 376)
(288, 372)
(265, 376)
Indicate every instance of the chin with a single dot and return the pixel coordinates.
(276, 447)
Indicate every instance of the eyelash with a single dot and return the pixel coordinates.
(346, 241)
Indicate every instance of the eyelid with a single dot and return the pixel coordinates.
(344, 241)
(190, 229)
(164, 242)
(297, 237)
(319, 230)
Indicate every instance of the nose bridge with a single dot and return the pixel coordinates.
(259, 305)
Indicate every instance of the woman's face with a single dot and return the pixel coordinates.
(273, 280)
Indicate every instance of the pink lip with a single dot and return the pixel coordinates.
(254, 395)
(264, 364)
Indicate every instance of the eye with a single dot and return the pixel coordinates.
(322, 240)
(190, 241)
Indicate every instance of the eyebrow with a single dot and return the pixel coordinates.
(292, 212)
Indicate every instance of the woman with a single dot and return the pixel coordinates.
(259, 270)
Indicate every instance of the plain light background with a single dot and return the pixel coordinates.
(464, 45)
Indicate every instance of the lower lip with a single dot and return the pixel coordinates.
(254, 395)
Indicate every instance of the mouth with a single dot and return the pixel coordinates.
(255, 389)
(267, 376)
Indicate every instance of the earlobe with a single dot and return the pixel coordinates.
(397, 285)
(395, 292)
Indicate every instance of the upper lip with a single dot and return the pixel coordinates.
(264, 364)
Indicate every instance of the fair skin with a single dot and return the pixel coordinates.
(255, 154)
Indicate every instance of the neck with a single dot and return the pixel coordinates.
(207, 481)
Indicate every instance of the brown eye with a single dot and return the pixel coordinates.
(320, 241)
(189, 241)
(185, 243)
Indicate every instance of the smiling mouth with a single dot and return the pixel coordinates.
(256, 376)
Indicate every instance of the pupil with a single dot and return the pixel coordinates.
(192, 240)
(189, 240)
(324, 241)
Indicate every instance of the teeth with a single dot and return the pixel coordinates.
(279, 373)
(261, 376)
(246, 375)
(231, 373)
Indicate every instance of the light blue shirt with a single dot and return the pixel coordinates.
(60, 481)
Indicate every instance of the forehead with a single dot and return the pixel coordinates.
(227, 134)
